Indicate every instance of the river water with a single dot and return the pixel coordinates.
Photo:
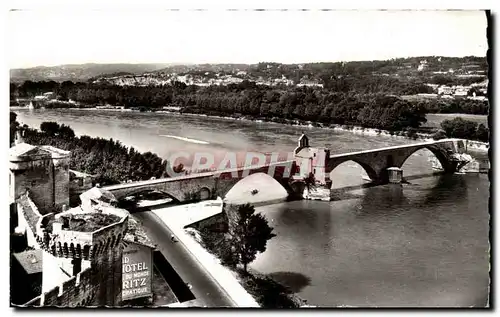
(423, 244)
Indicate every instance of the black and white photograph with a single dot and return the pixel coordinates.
(249, 158)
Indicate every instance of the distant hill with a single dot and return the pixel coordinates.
(318, 72)
(81, 72)
(205, 68)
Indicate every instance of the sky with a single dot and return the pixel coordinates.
(54, 37)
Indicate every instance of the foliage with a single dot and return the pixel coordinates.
(439, 135)
(268, 292)
(482, 133)
(248, 232)
(371, 108)
(465, 129)
(455, 105)
(353, 93)
(109, 160)
(13, 126)
(218, 243)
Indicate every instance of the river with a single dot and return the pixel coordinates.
(423, 244)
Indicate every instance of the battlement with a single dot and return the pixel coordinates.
(85, 234)
(78, 232)
(76, 291)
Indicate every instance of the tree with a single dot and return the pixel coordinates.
(439, 135)
(51, 128)
(13, 126)
(482, 133)
(248, 232)
(459, 128)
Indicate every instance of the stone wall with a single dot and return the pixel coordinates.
(38, 179)
(76, 291)
(61, 183)
(185, 189)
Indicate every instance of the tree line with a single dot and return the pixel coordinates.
(255, 101)
(371, 103)
(455, 105)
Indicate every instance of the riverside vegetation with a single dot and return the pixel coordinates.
(236, 241)
(374, 108)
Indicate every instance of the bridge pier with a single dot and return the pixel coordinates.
(318, 191)
(395, 175)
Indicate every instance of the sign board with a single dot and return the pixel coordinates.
(137, 271)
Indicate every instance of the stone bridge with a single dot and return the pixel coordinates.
(202, 186)
(310, 166)
(375, 162)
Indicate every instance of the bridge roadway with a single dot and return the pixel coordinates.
(392, 148)
(204, 287)
(111, 188)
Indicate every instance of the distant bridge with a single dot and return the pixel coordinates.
(292, 174)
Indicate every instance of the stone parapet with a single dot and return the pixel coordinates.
(53, 238)
(76, 291)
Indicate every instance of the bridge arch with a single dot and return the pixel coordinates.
(149, 190)
(369, 170)
(205, 193)
(440, 153)
(255, 188)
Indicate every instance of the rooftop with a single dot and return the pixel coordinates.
(98, 194)
(88, 222)
(30, 260)
(23, 150)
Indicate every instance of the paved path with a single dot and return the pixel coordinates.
(204, 287)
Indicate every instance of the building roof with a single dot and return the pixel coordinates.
(30, 260)
(96, 193)
(21, 149)
(24, 150)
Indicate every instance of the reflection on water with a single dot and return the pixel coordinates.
(410, 245)
(422, 244)
(292, 280)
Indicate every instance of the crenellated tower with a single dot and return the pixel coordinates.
(83, 241)
(83, 246)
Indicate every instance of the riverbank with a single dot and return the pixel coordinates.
(412, 134)
(266, 291)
